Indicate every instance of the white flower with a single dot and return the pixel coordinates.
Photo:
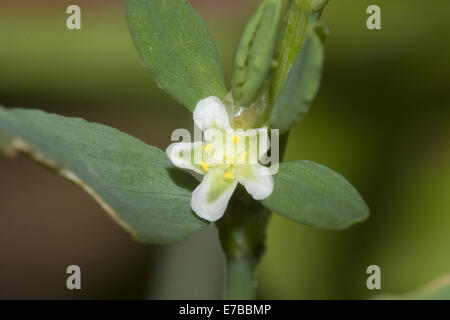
(226, 157)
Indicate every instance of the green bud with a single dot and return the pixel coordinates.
(299, 15)
(254, 54)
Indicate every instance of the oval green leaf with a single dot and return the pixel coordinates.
(177, 48)
(134, 182)
(314, 195)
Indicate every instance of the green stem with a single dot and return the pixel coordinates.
(240, 283)
(242, 236)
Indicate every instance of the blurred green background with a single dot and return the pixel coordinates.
(381, 118)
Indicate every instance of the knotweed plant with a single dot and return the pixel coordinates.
(224, 177)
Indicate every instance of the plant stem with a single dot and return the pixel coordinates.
(240, 283)
(242, 235)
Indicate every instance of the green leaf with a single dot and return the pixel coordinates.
(312, 194)
(255, 51)
(299, 15)
(4, 145)
(134, 182)
(293, 32)
(302, 83)
(438, 289)
(177, 49)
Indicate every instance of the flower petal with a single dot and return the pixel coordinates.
(210, 199)
(256, 179)
(263, 142)
(259, 144)
(210, 113)
(183, 154)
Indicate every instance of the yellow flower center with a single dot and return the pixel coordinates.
(205, 166)
(208, 148)
(228, 175)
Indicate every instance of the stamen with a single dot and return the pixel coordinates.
(236, 139)
(205, 166)
(228, 175)
(242, 157)
(208, 148)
